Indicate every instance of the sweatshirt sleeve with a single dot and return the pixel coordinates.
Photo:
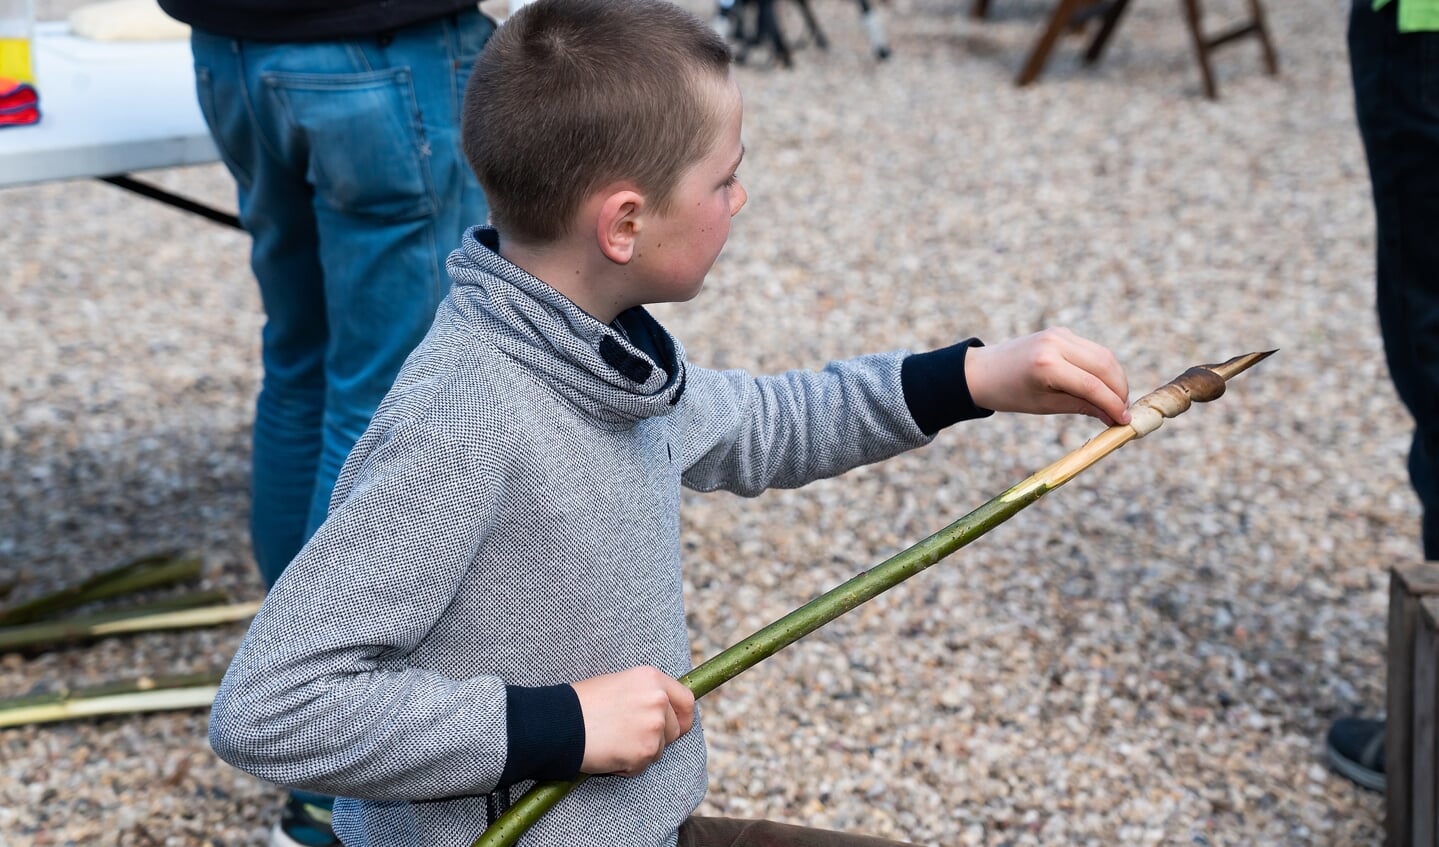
(321, 694)
(935, 388)
(744, 433)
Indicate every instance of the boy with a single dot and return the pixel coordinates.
(495, 596)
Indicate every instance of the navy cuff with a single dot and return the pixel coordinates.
(546, 734)
(935, 389)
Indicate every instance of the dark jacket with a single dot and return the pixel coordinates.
(307, 20)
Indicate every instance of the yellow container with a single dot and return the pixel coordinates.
(15, 59)
(17, 26)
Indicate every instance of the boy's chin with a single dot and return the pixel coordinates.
(683, 293)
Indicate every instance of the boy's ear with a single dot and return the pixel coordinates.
(619, 224)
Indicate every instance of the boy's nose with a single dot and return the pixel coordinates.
(740, 197)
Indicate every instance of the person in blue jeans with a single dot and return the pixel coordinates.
(1394, 58)
(339, 121)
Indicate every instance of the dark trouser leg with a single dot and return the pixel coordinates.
(1396, 95)
(729, 832)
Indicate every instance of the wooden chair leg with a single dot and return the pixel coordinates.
(1192, 16)
(812, 25)
(1106, 29)
(1271, 61)
(1039, 55)
(767, 29)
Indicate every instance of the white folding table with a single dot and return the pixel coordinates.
(108, 109)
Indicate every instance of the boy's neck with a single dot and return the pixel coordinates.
(576, 269)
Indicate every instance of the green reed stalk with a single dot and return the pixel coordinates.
(205, 608)
(140, 575)
(131, 697)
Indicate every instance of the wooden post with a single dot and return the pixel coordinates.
(1426, 682)
(1423, 806)
(1411, 684)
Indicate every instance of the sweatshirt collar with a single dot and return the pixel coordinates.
(615, 373)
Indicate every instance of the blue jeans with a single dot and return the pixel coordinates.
(1396, 98)
(354, 188)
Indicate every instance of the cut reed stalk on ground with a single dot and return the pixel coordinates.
(141, 695)
(140, 575)
(1201, 383)
(173, 613)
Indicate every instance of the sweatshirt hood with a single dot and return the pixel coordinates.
(617, 373)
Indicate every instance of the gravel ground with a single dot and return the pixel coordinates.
(1150, 656)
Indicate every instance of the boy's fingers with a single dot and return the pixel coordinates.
(1088, 394)
(1097, 360)
(1107, 406)
(682, 702)
(672, 726)
(1095, 412)
(1097, 381)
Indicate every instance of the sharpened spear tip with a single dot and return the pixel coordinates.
(1239, 364)
(1199, 384)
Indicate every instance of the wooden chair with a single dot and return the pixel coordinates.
(1073, 14)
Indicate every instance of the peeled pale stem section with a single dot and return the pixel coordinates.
(1200, 383)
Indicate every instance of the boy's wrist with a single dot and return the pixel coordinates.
(935, 389)
(546, 733)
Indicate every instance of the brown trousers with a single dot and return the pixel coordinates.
(731, 832)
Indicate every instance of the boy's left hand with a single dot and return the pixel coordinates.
(1050, 372)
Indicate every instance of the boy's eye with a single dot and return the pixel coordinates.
(733, 178)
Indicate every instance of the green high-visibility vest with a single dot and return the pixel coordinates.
(1415, 15)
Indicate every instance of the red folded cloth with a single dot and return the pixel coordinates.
(19, 103)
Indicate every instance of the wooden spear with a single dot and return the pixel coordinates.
(1200, 383)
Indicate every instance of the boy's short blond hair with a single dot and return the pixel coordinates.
(571, 95)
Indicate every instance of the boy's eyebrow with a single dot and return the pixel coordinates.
(735, 167)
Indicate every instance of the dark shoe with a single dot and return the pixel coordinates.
(1356, 749)
(303, 824)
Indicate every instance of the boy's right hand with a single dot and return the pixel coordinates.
(630, 717)
(1049, 372)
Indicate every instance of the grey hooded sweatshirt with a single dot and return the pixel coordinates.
(508, 524)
